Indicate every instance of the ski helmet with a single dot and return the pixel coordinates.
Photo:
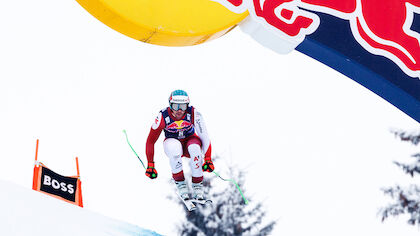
(179, 96)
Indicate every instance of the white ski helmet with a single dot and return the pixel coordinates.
(179, 96)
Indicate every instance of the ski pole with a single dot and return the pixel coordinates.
(234, 182)
(126, 137)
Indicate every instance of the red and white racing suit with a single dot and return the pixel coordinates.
(186, 137)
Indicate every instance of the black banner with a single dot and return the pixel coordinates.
(58, 185)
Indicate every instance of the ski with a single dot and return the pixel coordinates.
(189, 204)
(202, 201)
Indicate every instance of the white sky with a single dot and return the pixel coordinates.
(315, 144)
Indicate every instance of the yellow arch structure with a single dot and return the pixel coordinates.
(165, 22)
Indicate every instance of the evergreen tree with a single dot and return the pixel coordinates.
(406, 200)
(228, 214)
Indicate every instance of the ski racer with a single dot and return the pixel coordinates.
(185, 136)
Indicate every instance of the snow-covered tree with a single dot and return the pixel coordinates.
(228, 214)
(406, 200)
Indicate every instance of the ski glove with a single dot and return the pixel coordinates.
(208, 165)
(151, 171)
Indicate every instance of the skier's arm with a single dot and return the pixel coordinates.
(154, 134)
(201, 131)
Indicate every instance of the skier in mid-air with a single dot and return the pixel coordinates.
(185, 135)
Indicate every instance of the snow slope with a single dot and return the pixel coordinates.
(26, 212)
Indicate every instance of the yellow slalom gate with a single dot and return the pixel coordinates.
(165, 22)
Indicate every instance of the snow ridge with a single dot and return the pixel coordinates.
(26, 212)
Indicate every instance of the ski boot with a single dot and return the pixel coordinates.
(182, 189)
(183, 193)
(198, 192)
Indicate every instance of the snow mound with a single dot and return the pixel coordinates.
(26, 212)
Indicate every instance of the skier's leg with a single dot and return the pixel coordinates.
(196, 161)
(173, 149)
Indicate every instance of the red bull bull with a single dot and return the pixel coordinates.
(185, 124)
(380, 27)
(172, 126)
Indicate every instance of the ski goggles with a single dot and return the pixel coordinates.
(179, 106)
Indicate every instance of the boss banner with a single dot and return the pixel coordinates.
(67, 188)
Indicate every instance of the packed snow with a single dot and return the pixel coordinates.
(26, 212)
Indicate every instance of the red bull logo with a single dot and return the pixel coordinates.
(382, 27)
(180, 125)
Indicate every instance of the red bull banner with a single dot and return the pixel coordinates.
(374, 42)
(66, 188)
